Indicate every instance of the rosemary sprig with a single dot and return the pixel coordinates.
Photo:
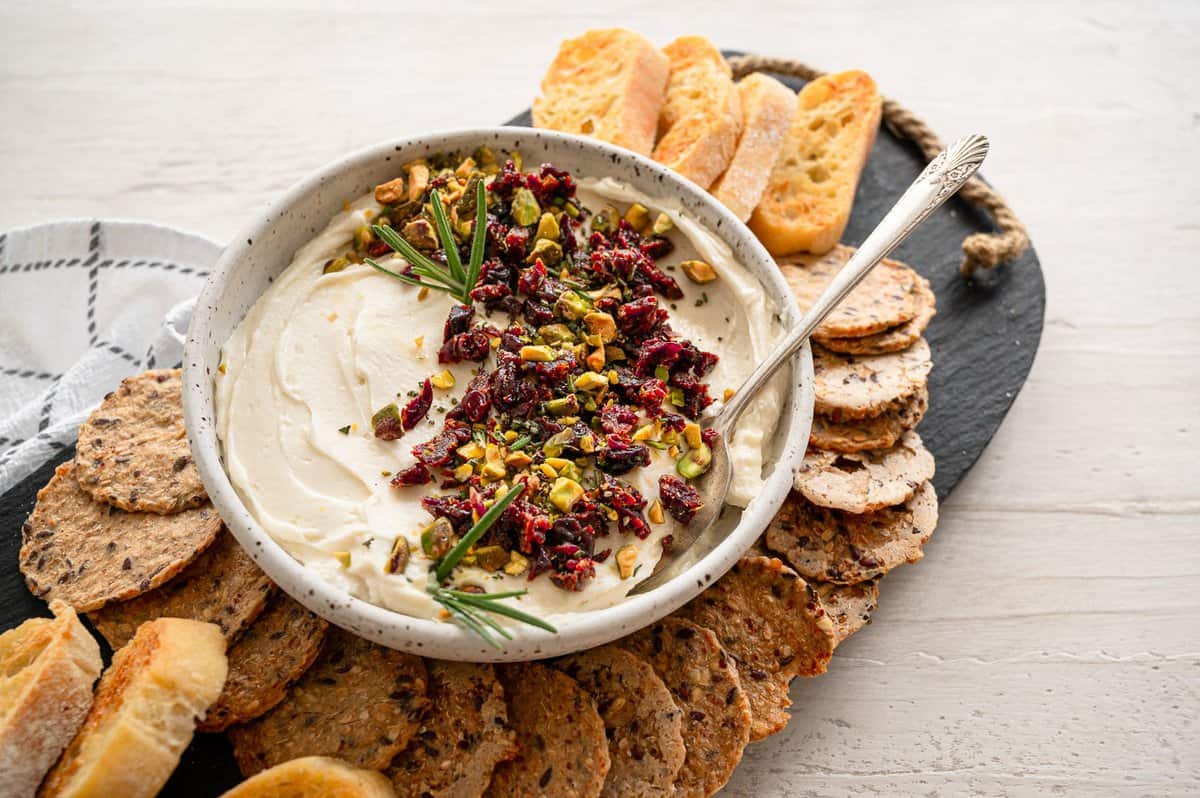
(470, 609)
(454, 278)
(447, 563)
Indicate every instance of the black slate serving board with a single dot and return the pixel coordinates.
(983, 340)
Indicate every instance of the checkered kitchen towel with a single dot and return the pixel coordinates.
(83, 304)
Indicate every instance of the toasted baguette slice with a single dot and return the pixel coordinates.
(609, 84)
(811, 189)
(702, 117)
(47, 668)
(159, 684)
(314, 777)
(767, 109)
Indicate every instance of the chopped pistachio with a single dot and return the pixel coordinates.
(363, 237)
(662, 225)
(729, 392)
(556, 334)
(557, 462)
(491, 558)
(587, 444)
(221, 368)
(626, 559)
(398, 558)
(470, 451)
(613, 376)
(525, 210)
(537, 354)
(510, 435)
(565, 493)
(517, 564)
(573, 306)
(554, 445)
(391, 192)
(518, 460)
(443, 380)
(343, 557)
(466, 168)
(548, 471)
(595, 360)
(698, 271)
(494, 470)
(655, 513)
(602, 324)
(423, 294)
(691, 434)
(335, 265)
(547, 228)
(387, 423)
(605, 219)
(563, 406)
(419, 232)
(695, 462)
(418, 180)
(638, 216)
(463, 472)
(614, 354)
(590, 381)
(646, 432)
(549, 252)
(438, 538)
(676, 397)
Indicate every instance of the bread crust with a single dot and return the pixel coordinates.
(767, 108)
(811, 189)
(702, 116)
(47, 668)
(144, 712)
(314, 777)
(608, 83)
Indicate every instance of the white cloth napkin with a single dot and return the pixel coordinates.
(83, 304)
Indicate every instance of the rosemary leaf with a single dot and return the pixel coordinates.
(476, 532)
(449, 245)
(507, 611)
(478, 236)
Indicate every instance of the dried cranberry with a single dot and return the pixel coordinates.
(439, 450)
(507, 181)
(679, 499)
(415, 474)
(458, 321)
(695, 393)
(652, 394)
(641, 317)
(657, 247)
(532, 279)
(477, 399)
(516, 243)
(418, 407)
(537, 312)
(620, 455)
(378, 248)
(455, 510)
(550, 184)
(490, 296)
(619, 418)
(472, 345)
(574, 574)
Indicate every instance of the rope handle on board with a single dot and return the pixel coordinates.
(980, 250)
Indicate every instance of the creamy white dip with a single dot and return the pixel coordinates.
(320, 352)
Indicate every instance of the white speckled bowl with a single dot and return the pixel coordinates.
(265, 248)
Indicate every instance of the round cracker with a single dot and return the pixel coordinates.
(773, 625)
(462, 739)
(89, 554)
(863, 482)
(866, 434)
(563, 750)
(359, 702)
(849, 606)
(643, 725)
(839, 547)
(895, 338)
(223, 586)
(883, 299)
(853, 387)
(274, 651)
(704, 682)
(133, 451)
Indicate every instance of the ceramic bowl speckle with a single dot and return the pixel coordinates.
(264, 250)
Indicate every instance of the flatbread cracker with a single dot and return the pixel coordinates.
(853, 387)
(133, 451)
(464, 735)
(865, 434)
(849, 606)
(642, 722)
(359, 702)
(223, 586)
(839, 547)
(883, 299)
(773, 625)
(273, 652)
(563, 750)
(704, 683)
(89, 554)
(893, 339)
(865, 481)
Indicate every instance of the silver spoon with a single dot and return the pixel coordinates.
(940, 180)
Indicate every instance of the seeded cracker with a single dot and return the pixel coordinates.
(643, 725)
(895, 338)
(223, 586)
(704, 682)
(853, 387)
(89, 554)
(273, 652)
(865, 481)
(359, 702)
(563, 750)
(464, 735)
(773, 625)
(839, 547)
(864, 434)
(883, 299)
(849, 606)
(133, 451)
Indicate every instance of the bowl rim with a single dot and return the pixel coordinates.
(433, 638)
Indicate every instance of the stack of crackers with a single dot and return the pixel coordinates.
(125, 533)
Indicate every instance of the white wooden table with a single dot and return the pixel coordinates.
(1050, 641)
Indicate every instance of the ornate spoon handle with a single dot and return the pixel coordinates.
(944, 175)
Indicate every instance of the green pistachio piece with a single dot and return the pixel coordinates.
(438, 538)
(491, 558)
(605, 220)
(565, 406)
(662, 225)
(565, 493)
(525, 210)
(573, 306)
(556, 334)
(549, 252)
(547, 228)
(695, 462)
